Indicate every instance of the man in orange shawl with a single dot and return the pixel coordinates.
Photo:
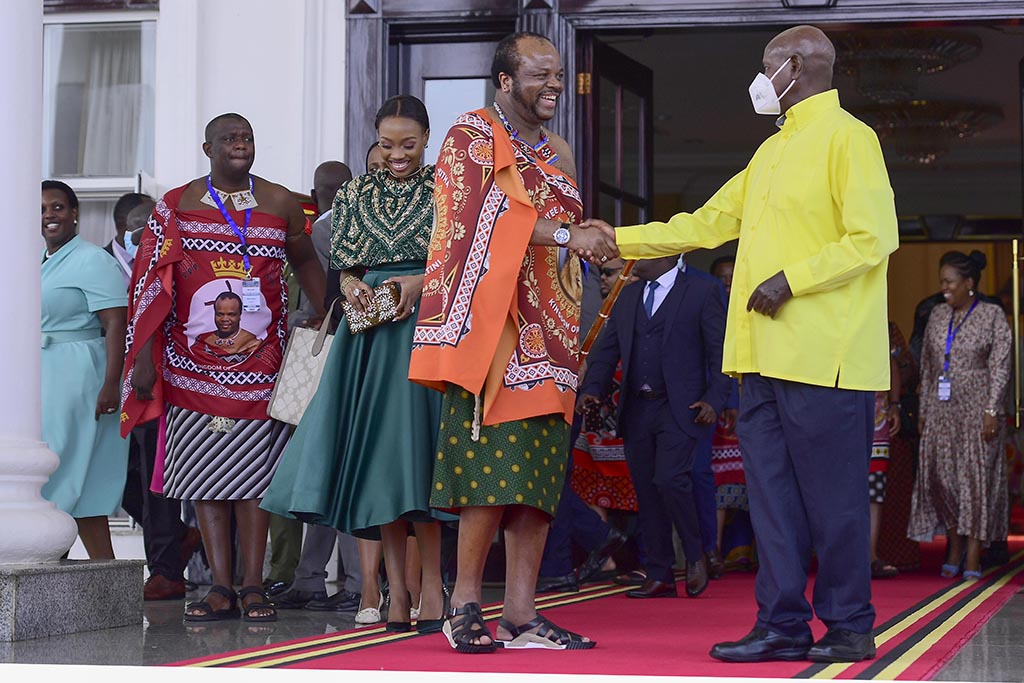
(498, 332)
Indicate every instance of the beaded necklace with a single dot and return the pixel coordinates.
(227, 341)
(542, 148)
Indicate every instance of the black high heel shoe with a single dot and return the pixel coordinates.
(398, 626)
(434, 625)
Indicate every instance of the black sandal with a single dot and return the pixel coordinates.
(523, 639)
(460, 636)
(208, 612)
(252, 609)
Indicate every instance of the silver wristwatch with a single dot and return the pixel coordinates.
(562, 235)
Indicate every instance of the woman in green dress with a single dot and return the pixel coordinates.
(361, 459)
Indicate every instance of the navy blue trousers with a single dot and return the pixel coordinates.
(660, 456)
(704, 493)
(805, 454)
(573, 521)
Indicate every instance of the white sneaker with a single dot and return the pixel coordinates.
(370, 615)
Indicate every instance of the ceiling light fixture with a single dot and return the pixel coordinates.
(887, 63)
(922, 131)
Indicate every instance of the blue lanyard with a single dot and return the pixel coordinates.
(951, 335)
(231, 221)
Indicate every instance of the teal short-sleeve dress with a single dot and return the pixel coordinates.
(77, 281)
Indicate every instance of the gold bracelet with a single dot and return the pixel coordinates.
(347, 280)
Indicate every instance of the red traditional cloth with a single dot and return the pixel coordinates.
(726, 457)
(186, 259)
(499, 315)
(599, 474)
(880, 441)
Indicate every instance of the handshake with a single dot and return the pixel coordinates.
(593, 240)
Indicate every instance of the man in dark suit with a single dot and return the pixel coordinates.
(668, 331)
(121, 246)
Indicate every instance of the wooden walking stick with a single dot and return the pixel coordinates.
(606, 309)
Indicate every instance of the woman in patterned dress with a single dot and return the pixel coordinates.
(361, 459)
(965, 370)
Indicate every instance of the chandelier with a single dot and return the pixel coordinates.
(921, 131)
(887, 63)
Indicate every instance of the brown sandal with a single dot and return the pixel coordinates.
(253, 609)
(206, 610)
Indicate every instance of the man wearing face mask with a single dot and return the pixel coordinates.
(121, 246)
(807, 336)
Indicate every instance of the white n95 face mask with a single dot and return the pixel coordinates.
(762, 93)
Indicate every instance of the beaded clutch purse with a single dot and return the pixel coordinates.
(382, 309)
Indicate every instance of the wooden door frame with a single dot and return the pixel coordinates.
(371, 24)
(599, 64)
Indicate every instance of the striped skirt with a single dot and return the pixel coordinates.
(237, 464)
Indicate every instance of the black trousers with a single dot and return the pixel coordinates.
(573, 521)
(660, 456)
(159, 517)
(805, 454)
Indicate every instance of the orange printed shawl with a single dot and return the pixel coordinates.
(499, 316)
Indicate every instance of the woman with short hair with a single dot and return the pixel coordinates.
(84, 306)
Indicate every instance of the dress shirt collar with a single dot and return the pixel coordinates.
(666, 281)
(805, 111)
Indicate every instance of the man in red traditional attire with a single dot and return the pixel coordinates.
(220, 449)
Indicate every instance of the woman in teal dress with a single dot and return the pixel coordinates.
(84, 304)
(361, 459)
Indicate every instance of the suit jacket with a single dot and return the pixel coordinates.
(692, 346)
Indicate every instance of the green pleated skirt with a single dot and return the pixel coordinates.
(363, 453)
(512, 463)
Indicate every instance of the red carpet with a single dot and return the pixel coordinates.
(922, 621)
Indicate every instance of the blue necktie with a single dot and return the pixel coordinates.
(649, 300)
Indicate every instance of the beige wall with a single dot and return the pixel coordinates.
(914, 274)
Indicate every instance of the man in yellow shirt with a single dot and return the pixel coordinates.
(807, 335)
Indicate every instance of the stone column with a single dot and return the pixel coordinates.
(32, 530)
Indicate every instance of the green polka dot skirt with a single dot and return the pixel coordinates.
(512, 463)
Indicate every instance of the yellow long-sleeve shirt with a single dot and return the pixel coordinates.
(815, 202)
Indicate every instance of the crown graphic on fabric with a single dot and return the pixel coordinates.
(223, 267)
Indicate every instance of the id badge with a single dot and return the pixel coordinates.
(945, 388)
(251, 295)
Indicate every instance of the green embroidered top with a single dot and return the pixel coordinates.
(378, 218)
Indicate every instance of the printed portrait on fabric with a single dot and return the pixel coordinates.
(219, 330)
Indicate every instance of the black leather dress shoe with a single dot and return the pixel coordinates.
(655, 589)
(296, 599)
(342, 601)
(762, 645)
(592, 565)
(558, 584)
(840, 645)
(716, 567)
(696, 578)
(274, 588)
